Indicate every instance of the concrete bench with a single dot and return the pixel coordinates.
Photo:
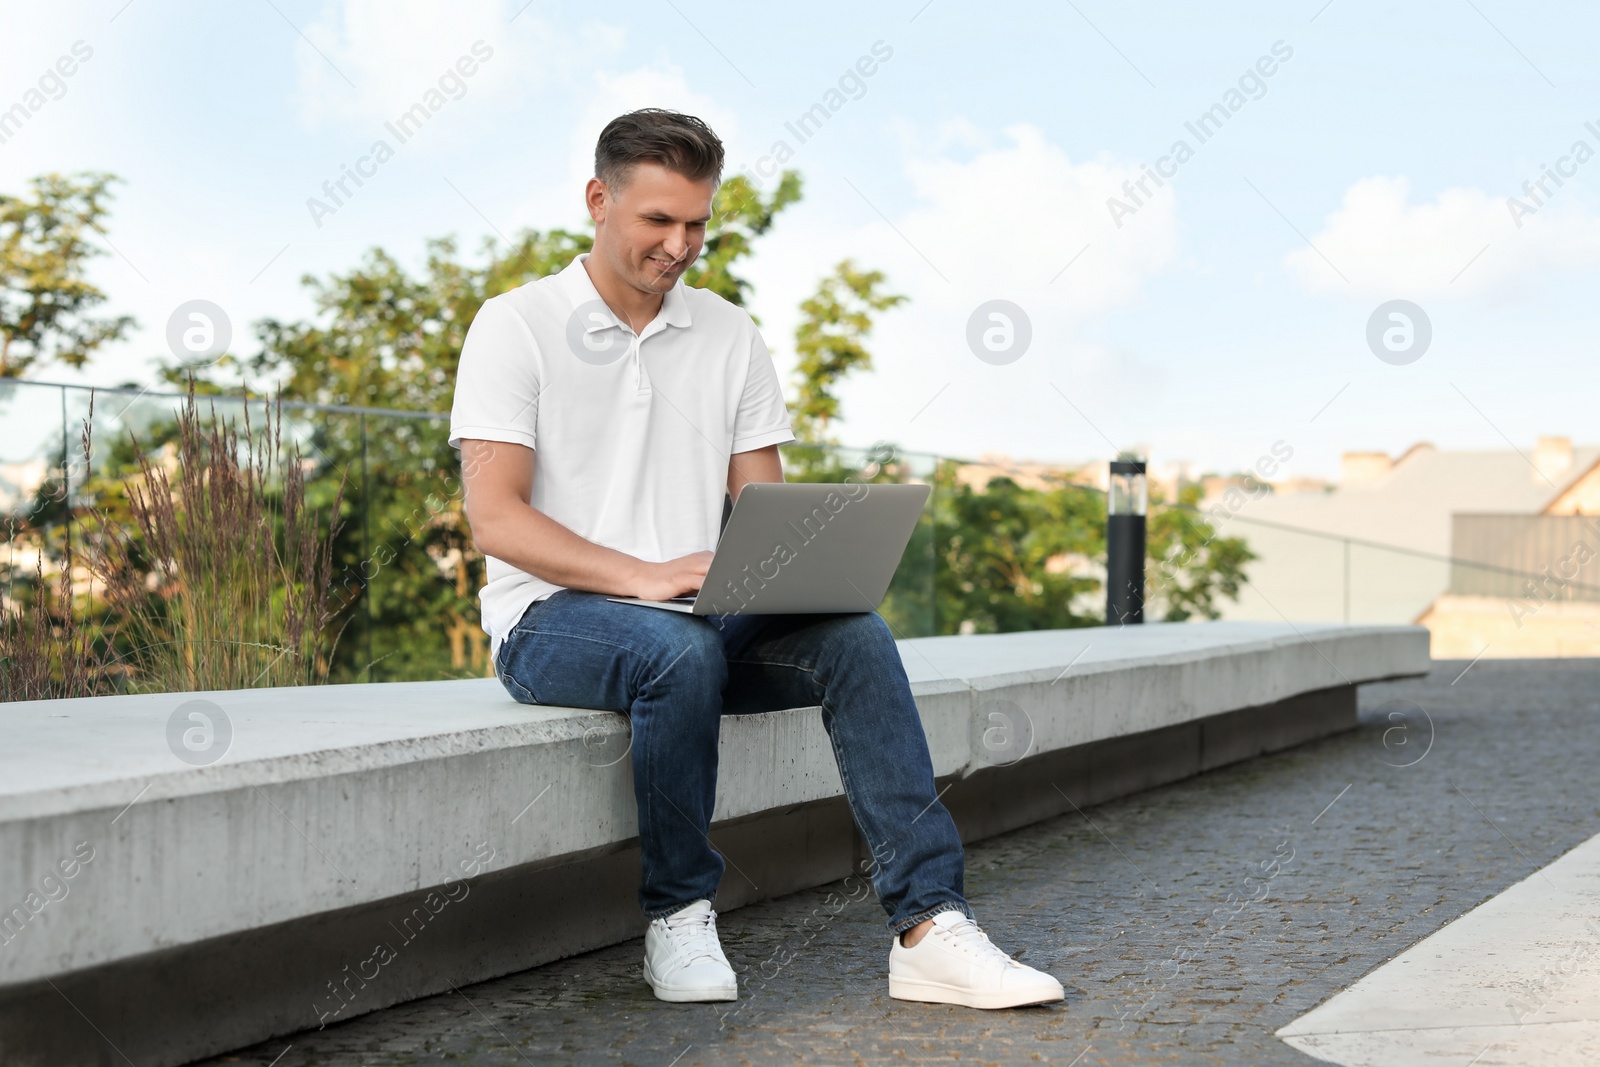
(357, 846)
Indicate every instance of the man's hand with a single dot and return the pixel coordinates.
(675, 577)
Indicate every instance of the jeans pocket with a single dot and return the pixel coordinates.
(519, 692)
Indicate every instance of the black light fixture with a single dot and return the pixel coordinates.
(1127, 501)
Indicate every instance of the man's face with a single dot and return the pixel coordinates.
(651, 230)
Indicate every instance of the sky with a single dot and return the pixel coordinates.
(1355, 154)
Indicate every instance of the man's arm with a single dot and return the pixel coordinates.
(498, 482)
(760, 465)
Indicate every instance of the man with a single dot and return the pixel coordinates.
(602, 415)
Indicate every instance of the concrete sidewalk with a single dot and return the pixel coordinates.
(1188, 923)
(1515, 980)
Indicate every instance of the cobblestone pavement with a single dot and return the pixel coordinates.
(1187, 923)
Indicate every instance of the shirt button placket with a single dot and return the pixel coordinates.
(641, 384)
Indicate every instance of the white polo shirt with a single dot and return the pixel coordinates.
(632, 433)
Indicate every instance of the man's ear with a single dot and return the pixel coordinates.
(597, 198)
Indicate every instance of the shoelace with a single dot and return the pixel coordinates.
(696, 936)
(970, 937)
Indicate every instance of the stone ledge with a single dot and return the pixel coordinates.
(341, 802)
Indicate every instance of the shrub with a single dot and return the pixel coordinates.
(221, 577)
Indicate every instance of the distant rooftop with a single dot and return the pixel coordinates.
(1408, 500)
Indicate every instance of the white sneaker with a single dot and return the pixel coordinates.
(956, 963)
(683, 960)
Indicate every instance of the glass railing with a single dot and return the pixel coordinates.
(1498, 553)
(1541, 600)
(405, 575)
(403, 608)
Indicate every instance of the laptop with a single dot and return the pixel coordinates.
(805, 548)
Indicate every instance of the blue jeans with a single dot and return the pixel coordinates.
(676, 674)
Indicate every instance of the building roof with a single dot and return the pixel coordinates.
(1411, 504)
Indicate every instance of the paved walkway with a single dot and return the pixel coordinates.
(1188, 923)
(1512, 981)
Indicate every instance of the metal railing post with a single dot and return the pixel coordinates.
(1347, 580)
(366, 553)
(66, 494)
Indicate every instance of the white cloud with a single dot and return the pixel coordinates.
(1388, 247)
(1002, 222)
(1010, 219)
(951, 135)
(365, 62)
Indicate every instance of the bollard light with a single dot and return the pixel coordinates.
(1127, 501)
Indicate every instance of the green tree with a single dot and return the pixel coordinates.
(830, 343)
(739, 215)
(1011, 558)
(46, 300)
(1190, 569)
(382, 337)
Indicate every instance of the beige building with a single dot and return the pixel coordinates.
(1028, 474)
(18, 483)
(1163, 479)
(1379, 548)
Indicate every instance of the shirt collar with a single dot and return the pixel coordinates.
(579, 287)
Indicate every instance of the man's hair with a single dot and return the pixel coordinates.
(681, 143)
